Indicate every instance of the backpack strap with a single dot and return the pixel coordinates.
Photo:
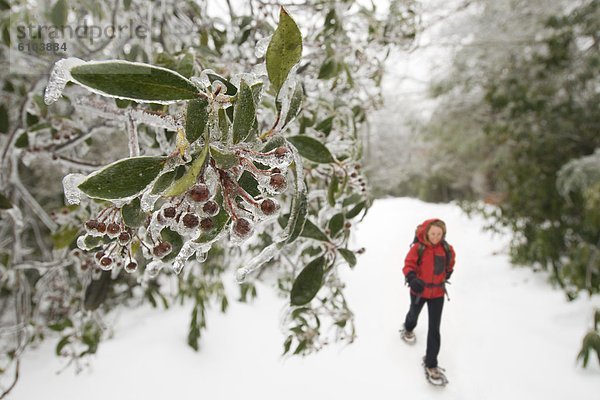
(420, 252)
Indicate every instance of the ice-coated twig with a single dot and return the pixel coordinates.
(134, 145)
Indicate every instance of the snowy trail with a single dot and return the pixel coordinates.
(505, 334)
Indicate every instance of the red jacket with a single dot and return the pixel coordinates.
(433, 268)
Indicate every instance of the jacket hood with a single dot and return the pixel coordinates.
(422, 229)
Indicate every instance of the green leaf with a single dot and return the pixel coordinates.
(4, 119)
(61, 325)
(96, 292)
(349, 256)
(313, 232)
(231, 89)
(196, 119)
(223, 125)
(356, 210)
(284, 51)
(186, 65)
(166, 179)
(132, 214)
(336, 223)
(65, 236)
(223, 158)
(22, 141)
(299, 206)
(123, 178)
(295, 103)
(5, 204)
(311, 149)
(175, 240)
(332, 190)
(189, 178)
(134, 81)
(329, 69)
(249, 184)
(244, 114)
(275, 142)
(308, 282)
(59, 13)
(325, 125)
(62, 343)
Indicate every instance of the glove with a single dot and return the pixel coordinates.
(449, 274)
(416, 284)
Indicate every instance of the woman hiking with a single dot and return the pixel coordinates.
(428, 265)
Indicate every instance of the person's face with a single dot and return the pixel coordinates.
(435, 234)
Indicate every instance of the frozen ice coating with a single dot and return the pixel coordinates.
(72, 192)
(59, 77)
(261, 46)
(263, 257)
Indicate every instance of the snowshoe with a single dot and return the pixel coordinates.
(435, 376)
(408, 336)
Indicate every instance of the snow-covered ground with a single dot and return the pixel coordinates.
(506, 334)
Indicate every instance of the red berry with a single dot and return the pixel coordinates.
(91, 224)
(242, 227)
(132, 266)
(199, 193)
(162, 249)
(113, 228)
(281, 151)
(275, 170)
(277, 181)
(207, 224)
(353, 175)
(99, 255)
(211, 208)
(106, 261)
(268, 206)
(190, 220)
(101, 227)
(169, 212)
(124, 238)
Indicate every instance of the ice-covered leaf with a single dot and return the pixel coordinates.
(349, 256)
(231, 89)
(295, 104)
(224, 124)
(166, 179)
(307, 284)
(64, 236)
(313, 232)
(299, 206)
(132, 214)
(175, 240)
(186, 65)
(249, 184)
(196, 118)
(325, 125)
(284, 51)
(4, 120)
(329, 69)
(355, 210)
(311, 149)
(5, 204)
(123, 178)
(244, 113)
(336, 223)
(191, 175)
(96, 292)
(223, 158)
(134, 81)
(59, 13)
(275, 142)
(332, 190)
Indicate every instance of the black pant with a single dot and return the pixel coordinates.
(434, 309)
